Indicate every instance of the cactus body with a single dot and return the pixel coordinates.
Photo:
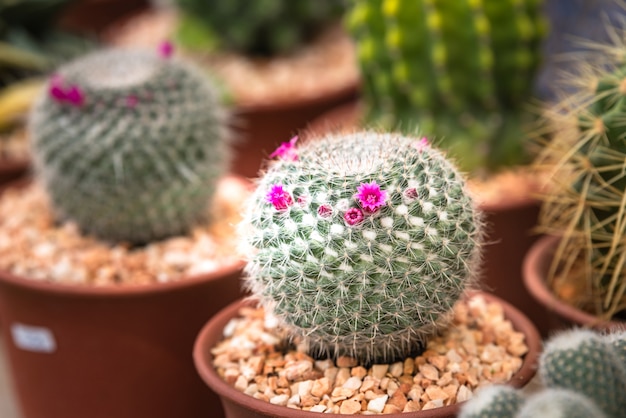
(587, 363)
(456, 69)
(496, 401)
(585, 200)
(362, 243)
(559, 403)
(261, 27)
(129, 144)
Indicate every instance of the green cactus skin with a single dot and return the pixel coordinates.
(585, 362)
(375, 289)
(456, 69)
(559, 403)
(495, 401)
(260, 27)
(585, 199)
(617, 338)
(135, 159)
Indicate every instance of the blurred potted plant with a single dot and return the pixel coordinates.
(594, 387)
(577, 271)
(462, 73)
(112, 260)
(283, 62)
(361, 248)
(31, 45)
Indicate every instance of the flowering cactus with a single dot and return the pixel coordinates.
(361, 243)
(130, 144)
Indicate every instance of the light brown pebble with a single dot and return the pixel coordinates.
(429, 371)
(379, 370)
(396, 369)
(345, 361)
(320, 387)
(412, 406)
(377, 404)
(435, 392)
(359, 372)
(350, 406)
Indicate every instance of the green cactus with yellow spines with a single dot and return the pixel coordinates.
(459, 70)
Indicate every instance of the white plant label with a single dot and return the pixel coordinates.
(32, 338)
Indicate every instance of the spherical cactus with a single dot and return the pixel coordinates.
(458, 69)
(260, 27)
(496, 401)
(361, 243)
(559, 403)
(585, 196)
(617, 339)
(585, 362)
(129, 144)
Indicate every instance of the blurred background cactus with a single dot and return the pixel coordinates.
(584, 200)
(584, 374)
(361, 242)
(460, 70)
(129, 144)
(261, 27)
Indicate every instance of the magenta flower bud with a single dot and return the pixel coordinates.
(280, 198)
(287, 150)
(353, 216)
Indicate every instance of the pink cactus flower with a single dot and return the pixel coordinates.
(74, 95)
(287, 150)
(325, 211)
(55, 88)
(132, 101)
(410, 193)
(166, 49)
(279, 197)
(421, 144)
(370, 196)
(353, 216)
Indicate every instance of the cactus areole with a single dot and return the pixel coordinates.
(129, 144)
(361, 243)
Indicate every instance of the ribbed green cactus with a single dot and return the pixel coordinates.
(361, 242)
(559, 403)
(584, 203)
(460, 70)
(495, 401)
(260, 27)
(585, 362)
(129, 144)
(584, 374)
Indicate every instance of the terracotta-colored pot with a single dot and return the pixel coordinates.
(559, 314)
(111, 351)
(239, 405)
(509, 226)
(11, 170)
(262, 128)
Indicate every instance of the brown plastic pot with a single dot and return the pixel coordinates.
(559, 314)
(11, 170)
(262, 128)
(111, 351)
(239, 405)
(509, 229)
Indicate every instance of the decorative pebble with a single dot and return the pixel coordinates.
(445, 373)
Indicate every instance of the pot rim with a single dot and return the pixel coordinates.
(212, 332)
(225, 272)
(535, 266)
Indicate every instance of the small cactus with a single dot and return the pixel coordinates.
(559, 403)
(585, 194)
(497, 401)
(457, 69)
(129, 144)
(361, 242)
(584, 374)
(585, 362)
(260, 27)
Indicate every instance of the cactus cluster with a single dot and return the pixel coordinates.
(129, 144)
(459, 69)
(361, 242)
(260, 27)
(585, 376)
(584, 203)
